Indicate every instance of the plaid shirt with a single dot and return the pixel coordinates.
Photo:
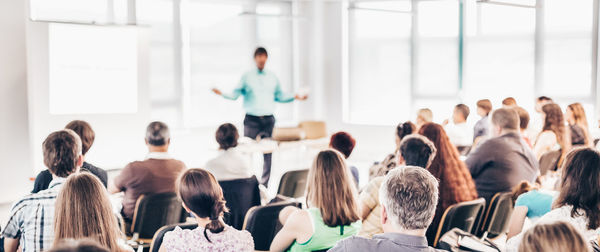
(31, 219)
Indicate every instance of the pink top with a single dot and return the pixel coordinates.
(230, 239)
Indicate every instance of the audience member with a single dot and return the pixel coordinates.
(529, 203)
(344, 143)
(157, 174)
(537, 122)
(424, 116)
(77, 217)
(391, 161)
(332, 208)
(554, 136)
(203, 198)
(456, 184)
(87, 136)
(509, 102)
(503, 161)
(523, 123)
(78, 246)
(415, 150)
(580, 132)
(482, 127)
(556, 237)
(408, 196)
(578, 202)
(230, 164)
(30, 223)
(458, 131)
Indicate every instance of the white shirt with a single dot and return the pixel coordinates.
(229, 165)
(460, 134)
(158, 155)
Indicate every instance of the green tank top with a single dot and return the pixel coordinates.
(324, 237)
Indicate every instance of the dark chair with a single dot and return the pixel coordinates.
(153, 211)
(241, 195)
(549, 161)
(160, 234)
(497, 215)
(263, 223)
(293, 184)
(462, 215)
(596, 141)
(463, 150)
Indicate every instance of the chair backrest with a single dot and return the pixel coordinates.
(160, 234)
(263, 223)
(497, 215)
(462, 215)
(152, 211)
(293, 184)
(549, 161)
(314, 129)
(240, 195)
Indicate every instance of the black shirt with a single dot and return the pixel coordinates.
(44, 177)
(577, 135)
(501, 163)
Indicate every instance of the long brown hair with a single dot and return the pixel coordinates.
(332, 190)
(83, 210)
(580, 185)
(202, 194)
(554, 121)
(456, 183)
(581, 120)
(558, 236)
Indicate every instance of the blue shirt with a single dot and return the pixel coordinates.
(537, 203)
(481, 128)
(261, 90)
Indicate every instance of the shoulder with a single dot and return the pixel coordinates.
(356, 243)
(178, 234)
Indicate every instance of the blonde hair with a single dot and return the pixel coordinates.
(332, 190)
(83, 210)
(559, 236)
(425, 114)
(581, 121)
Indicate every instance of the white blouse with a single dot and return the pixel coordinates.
(545, 142)
(229, 165)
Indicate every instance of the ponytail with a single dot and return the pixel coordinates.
(216, 224)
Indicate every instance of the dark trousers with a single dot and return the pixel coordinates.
(261, 126)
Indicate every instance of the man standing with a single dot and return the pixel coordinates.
(261, 90)
(502, 162)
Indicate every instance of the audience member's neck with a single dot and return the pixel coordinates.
(509, 131)
(202, 222)
(162, 148)
(413, 232)
(460, 121)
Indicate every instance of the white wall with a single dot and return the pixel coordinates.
(15, 158)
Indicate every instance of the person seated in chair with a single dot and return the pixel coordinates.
(408, 198)
(87, 136)
(344, 143)
(332, 213)
(157, 174)
(203, 198)
(230, 164)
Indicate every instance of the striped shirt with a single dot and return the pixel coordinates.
(31, 219)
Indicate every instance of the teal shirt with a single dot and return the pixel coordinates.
(324, 237)
(261, 90)
(537, 203)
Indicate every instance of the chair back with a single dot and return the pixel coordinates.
(497, 215)
(549, 161)
(314, 129)
(152, 211)
(240, 195)
(463, 150)
(462, 215)
(293, 184)
(263, 223)
(160, 234)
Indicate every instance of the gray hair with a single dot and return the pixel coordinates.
(409, 195)
(157, 133)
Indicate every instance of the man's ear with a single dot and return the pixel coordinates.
(80, 160)
(384, 217)
(401, 160)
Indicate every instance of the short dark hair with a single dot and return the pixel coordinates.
(405, 129)
(85, 133)
(227, 136)
(506, 118)
(544, 98)
(260, 51)
(157, 133)
(61, 152)
(463, 109)
(86, 245)
(523, 117)
(417, 150)
(486, 105)
(342, 142)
